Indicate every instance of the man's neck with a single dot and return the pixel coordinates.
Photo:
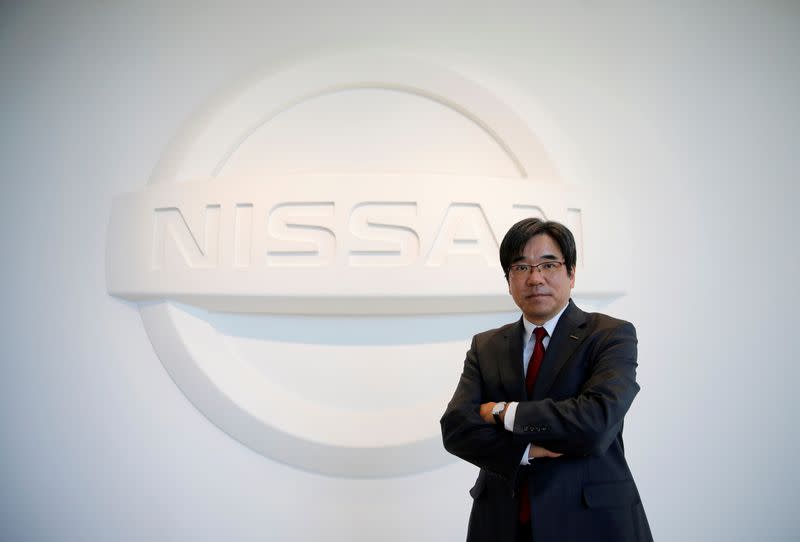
(549, 325)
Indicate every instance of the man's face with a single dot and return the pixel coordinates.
(540, 296)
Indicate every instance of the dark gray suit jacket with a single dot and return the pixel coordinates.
(585, 386)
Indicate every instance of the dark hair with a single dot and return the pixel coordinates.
(520, 233)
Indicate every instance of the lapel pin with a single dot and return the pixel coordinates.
(574, 337)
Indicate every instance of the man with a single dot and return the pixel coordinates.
(540, 407)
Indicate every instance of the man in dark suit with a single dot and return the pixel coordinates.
(540, 407)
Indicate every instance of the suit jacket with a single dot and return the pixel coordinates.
(585, 386)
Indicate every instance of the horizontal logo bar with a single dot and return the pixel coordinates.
(327, 243)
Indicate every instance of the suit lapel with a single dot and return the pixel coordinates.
(510, 363)
(567, 336)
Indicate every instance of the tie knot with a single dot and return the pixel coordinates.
(540, 333)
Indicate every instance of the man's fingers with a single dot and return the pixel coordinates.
(486, 412)
(538, 451)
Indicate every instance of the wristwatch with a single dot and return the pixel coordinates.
(497, 410)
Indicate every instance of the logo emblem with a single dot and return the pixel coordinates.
(312, 249)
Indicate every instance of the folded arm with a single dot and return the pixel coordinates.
(589, 422)
(467, 435)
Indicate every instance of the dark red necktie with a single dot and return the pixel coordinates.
(534, 364)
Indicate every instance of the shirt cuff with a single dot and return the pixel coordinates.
(508, 419)
(526, 456)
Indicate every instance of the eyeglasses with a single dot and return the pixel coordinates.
(523, 270)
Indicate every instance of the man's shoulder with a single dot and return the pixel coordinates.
(602, 319)
(600, 322)
(502, 331)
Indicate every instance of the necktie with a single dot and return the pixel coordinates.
(534, 364)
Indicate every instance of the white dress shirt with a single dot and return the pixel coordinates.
(527, 351)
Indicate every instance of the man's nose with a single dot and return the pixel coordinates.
(535, 276)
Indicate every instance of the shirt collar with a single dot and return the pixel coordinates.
(548, 326)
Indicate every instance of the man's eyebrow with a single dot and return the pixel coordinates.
(522, 258)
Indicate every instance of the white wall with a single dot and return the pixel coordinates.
(689, 111)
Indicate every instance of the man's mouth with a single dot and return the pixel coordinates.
(536, 295)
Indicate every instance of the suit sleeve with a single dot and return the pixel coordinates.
(588, 423)
(468, 436)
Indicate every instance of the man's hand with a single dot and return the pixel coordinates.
(537, 452)
(486, 412)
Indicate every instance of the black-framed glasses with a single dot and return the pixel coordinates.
(548, 268)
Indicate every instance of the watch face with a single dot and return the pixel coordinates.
(498, 408)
